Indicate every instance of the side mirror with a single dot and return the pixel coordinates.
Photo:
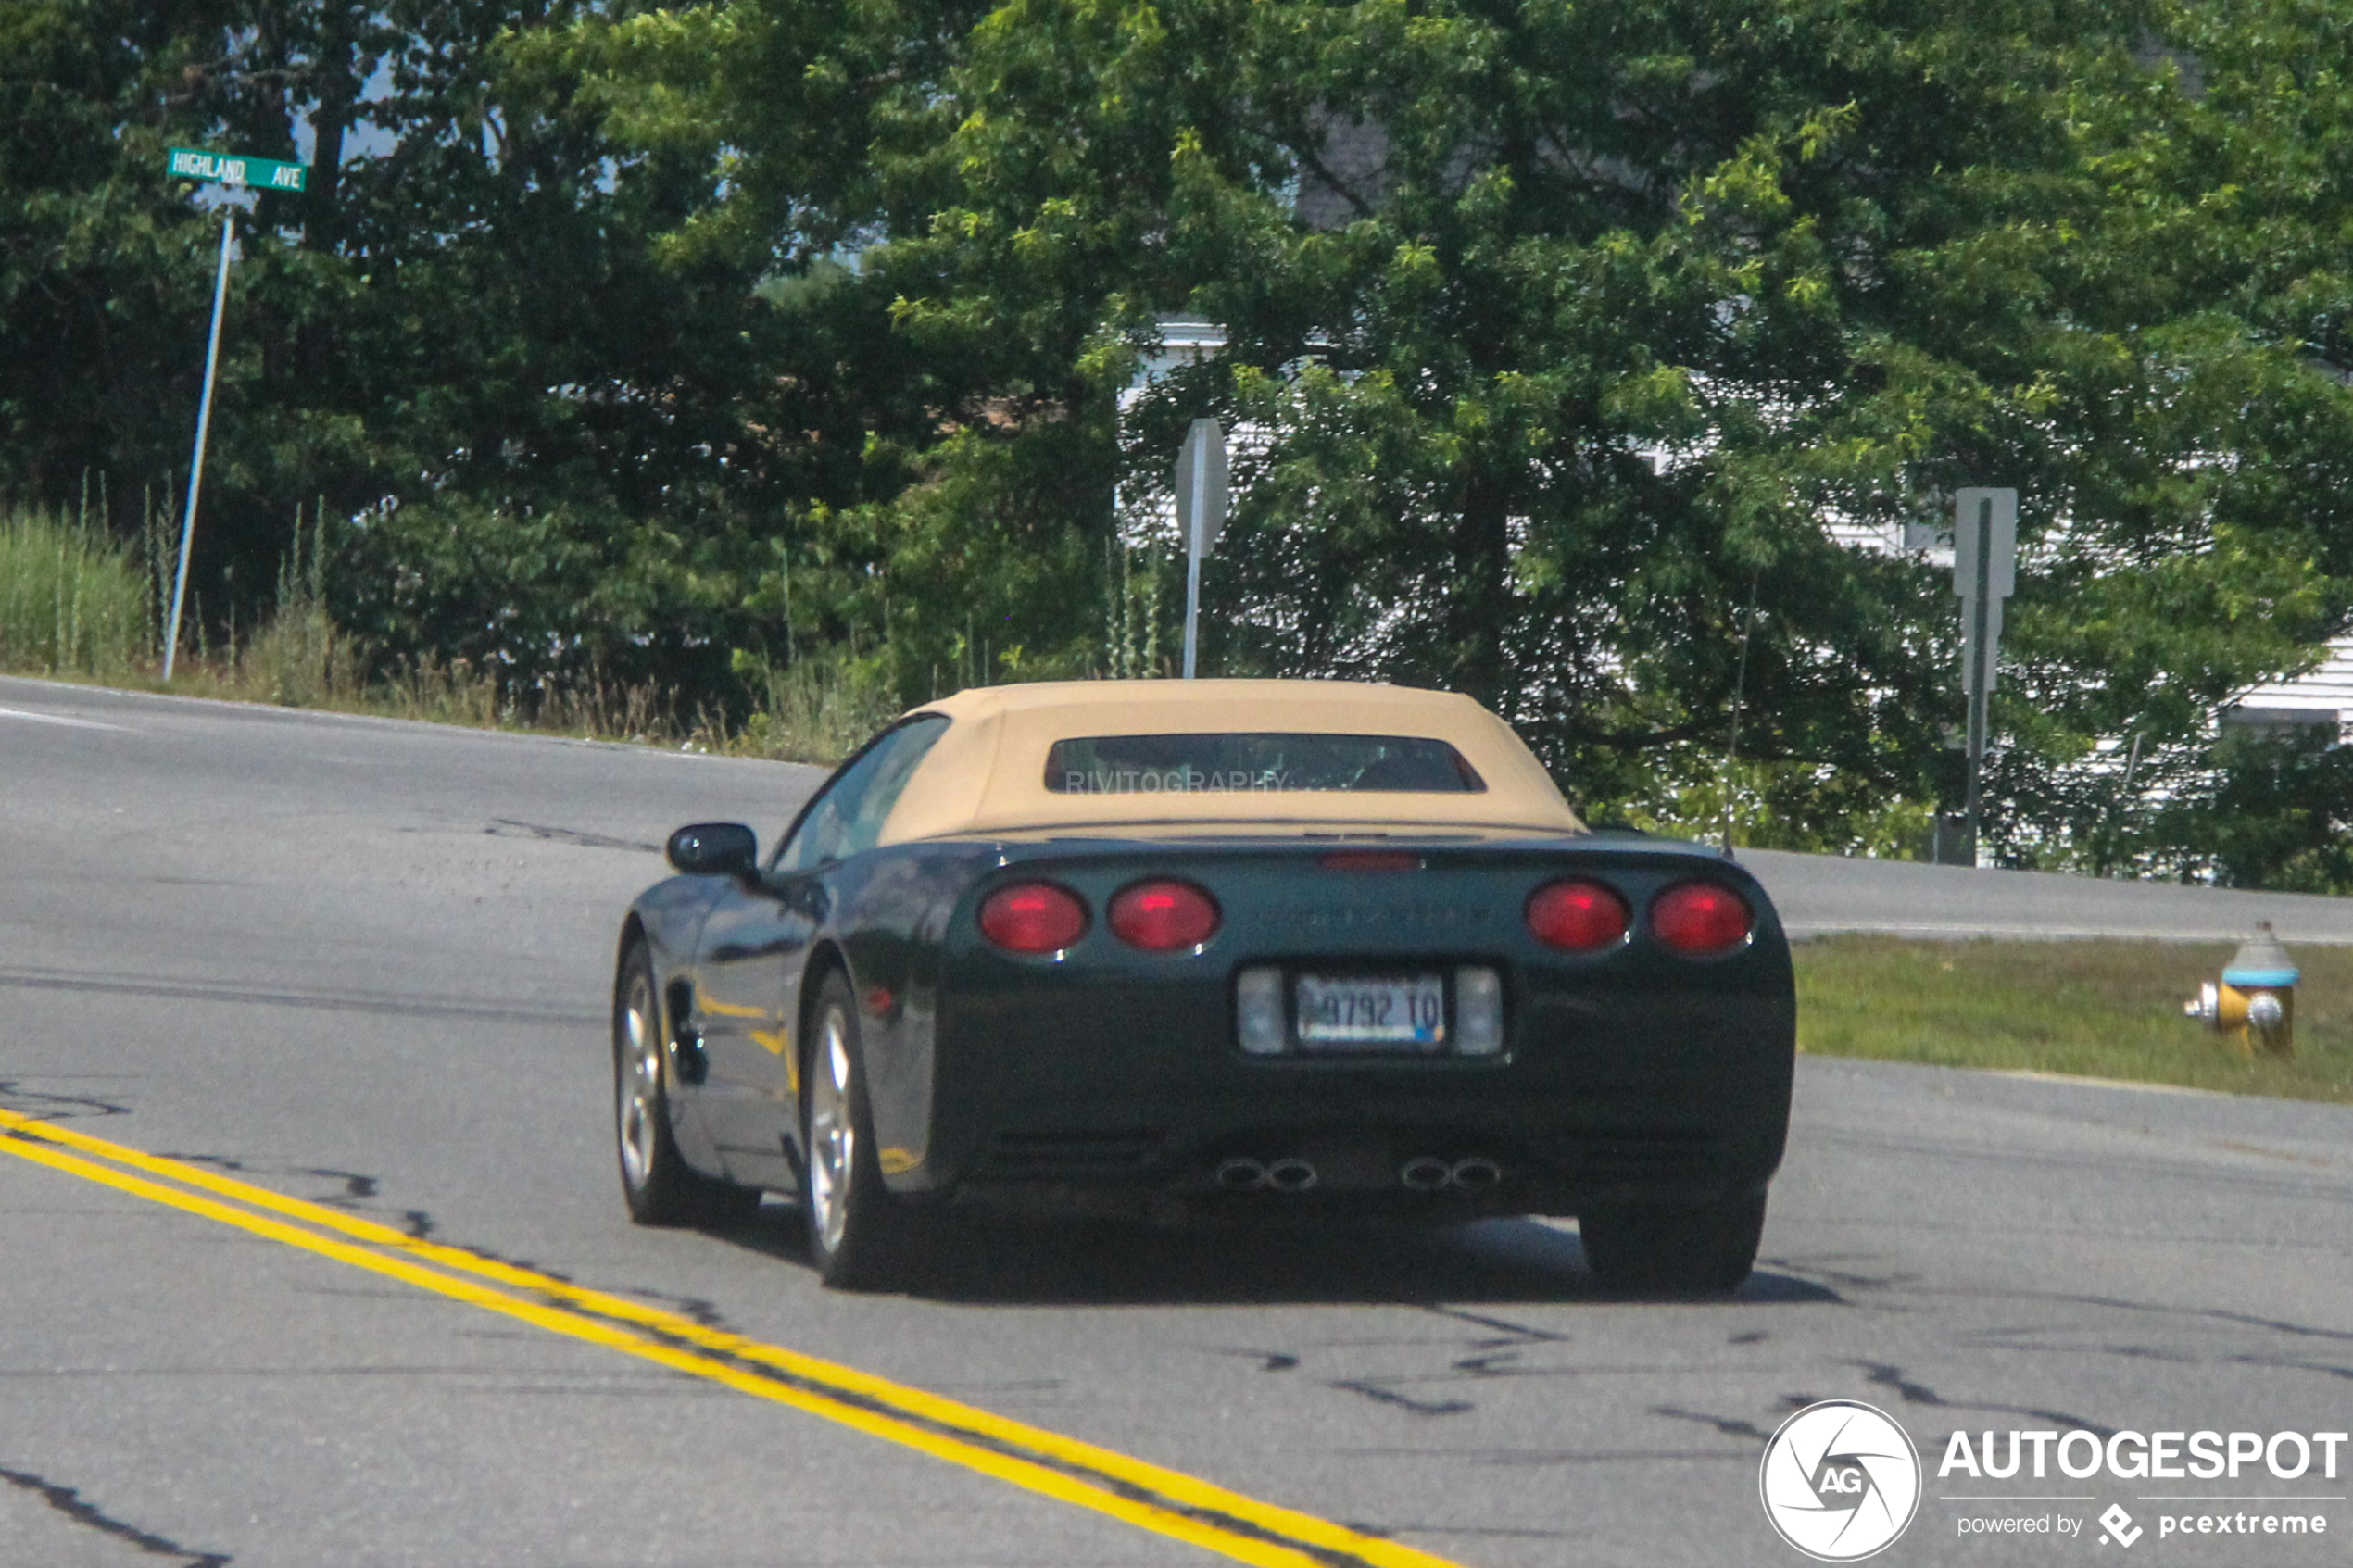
(714, 850)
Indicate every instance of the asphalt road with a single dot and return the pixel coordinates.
(364, 964)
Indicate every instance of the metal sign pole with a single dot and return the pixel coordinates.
(238, 171)
(204, 423)
(1192, 590)
(1984, 573)
(1199, 496)
(1201, 510)
(1980, 650)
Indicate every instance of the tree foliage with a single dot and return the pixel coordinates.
(1613, 307)
(460, 335)
(1573, 343)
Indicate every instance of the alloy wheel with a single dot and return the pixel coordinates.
(833, 1136)
(640, 1086)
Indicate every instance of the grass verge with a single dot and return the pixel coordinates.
(78, 606)
(297, 659)
(2098, 1009)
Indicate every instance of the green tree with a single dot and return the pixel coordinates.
(460, 335)
(1611, 308)
(2273, 811)
(681, 341)
(105, 273)
(944, 497)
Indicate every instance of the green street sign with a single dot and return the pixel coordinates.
(235, 168)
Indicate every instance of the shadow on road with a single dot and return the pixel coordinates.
(1081, 1264)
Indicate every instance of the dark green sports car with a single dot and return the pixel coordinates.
(1193, 950)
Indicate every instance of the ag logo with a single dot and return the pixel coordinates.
(1840, 1481)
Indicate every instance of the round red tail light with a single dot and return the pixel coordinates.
(1161, 917)
(1700, 919)
(1033, 917)
(1577, 916)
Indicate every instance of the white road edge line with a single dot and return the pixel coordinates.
(2026, 931)
(61, 718)
(2034, 1077)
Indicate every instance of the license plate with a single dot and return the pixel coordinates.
(1391, 1013)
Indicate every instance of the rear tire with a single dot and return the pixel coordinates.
(860, 1236)
(1693, 1250)
(658, 1185)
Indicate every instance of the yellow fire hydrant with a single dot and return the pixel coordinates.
(2255, 1004)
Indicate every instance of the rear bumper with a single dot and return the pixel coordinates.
(1054, 1107)
(1459, 1169)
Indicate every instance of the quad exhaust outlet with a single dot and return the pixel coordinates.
(1423, 1172)
(1288, 1173)
(1428, 1172)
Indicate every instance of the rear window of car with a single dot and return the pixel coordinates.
(1247, 762)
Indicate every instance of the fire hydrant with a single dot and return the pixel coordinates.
(2255, 1004)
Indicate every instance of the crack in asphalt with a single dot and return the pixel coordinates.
(1516, 1333)
(1814, 1272)
(2208, 1314)
(1501, 1363)
(420, 1224)
(67, 1500)
(1886, 1375)
(56, 1107)
(699, 1311)
(507, 827)
(1730, 1426)
(2285, 1363)
(1485, 1363)
(357, 1188)
(327, 1001)
(1406, 1402)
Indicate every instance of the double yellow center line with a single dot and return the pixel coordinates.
(1164, 1502)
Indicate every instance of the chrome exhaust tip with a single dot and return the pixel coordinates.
(1291, 1174)
(1241, 1174)
(1477, 1173)
(1425, 1173)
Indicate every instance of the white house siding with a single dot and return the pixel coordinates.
(2323, 697)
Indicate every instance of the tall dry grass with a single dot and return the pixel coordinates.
(811, 710)
(73, 600)
(299, 657)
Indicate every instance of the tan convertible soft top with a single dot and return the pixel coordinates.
(987, 774)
